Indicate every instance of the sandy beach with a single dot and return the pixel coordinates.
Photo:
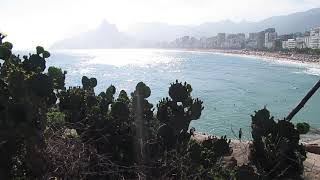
(301, 58)
(308, 59)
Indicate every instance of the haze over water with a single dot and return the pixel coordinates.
(232, 87)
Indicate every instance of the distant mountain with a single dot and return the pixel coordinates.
(157, 31)
(296, 22)
(105, 36)
(147, 34)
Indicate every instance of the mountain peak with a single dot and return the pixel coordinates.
(314, 10)
(106, 25)
(107, 35)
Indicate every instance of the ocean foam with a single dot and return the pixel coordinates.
(313, 71)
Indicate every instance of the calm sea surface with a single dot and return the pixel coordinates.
(232, 87)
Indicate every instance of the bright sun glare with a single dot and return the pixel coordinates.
(43, 22)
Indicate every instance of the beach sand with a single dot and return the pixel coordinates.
(312, 163)
(293, 57)
(276, 56)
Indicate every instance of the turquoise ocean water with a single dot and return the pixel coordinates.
(232, 87)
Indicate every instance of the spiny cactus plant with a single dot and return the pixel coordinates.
(88, 84)
(122, 137)
(2, 36)
(177, 113)
(107, 99)
(34, 63)
(5, 50)
(57, 76)
(126, 127)
(276, 151)
(207, 152)
(26, 94)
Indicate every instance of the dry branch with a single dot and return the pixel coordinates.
(303, 101)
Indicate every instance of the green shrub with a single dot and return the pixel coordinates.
(55, 118)
(303, 128)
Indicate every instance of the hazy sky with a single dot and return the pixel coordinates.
(41, 22)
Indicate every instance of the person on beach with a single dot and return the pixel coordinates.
(240, 134)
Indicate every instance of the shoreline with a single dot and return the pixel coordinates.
(312, 136)
(304, 59)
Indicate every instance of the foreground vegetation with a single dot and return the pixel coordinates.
(50, 131)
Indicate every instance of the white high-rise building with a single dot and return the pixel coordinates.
(314, 42)
(290, 44)
(302, 42)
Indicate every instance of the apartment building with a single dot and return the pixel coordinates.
(314, 41)
(270, 36)
(289, 44)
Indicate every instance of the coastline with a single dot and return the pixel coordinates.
(304, 59)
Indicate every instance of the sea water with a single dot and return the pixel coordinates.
(231, 87)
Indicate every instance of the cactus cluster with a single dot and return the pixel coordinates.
(88, 84)
(209, 151)
(58, 77)
(276, 151)
(176, 113)
(120, 137)
(26, 94)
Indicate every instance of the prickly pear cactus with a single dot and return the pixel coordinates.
(72, 102)
(121, 137)
(5, 50)
(142, 90)
(120, 110)
(58, 77)
(106, 99)
(26, 94)
(245, 172)
(41, 85)
(89, 84)
(34, 63)
(276, 151)
(180, 110)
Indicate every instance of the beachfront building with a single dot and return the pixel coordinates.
(235, 41)
(212, 42)
(203, 42)
(278, 44)
(221, 37)
(252, 41)
(187, 42)
(314, 41)
(302, 42)
(252, 44)
(270, 36)
(260, 40)
(289, 44)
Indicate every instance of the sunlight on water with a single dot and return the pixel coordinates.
(123, 57)
(232, 87)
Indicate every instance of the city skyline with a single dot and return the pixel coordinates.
(43, 22)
